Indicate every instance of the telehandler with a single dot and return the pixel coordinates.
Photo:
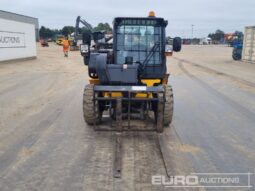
(129, 81)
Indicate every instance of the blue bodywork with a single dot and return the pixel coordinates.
(237, 49)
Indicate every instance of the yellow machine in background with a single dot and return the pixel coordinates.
(73, 44)
(59, 39)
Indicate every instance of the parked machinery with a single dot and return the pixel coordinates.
(77, 36)
(237, 50)
(59, 39)
(44, 43)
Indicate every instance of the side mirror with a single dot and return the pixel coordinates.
(86, 38)
(98, 36)
(177, 44)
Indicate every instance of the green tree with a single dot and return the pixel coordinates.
(45, 32)
(83, 29)
(67, 30)
(103, 27)
(42, 32)
(217, 36)
(56, 32)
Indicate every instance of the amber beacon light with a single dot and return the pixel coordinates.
(151, 14)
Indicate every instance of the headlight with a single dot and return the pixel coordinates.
(84, 48)
(168, 48)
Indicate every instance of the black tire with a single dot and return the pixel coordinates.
(169, 106)
(91, 117)
(234, 57)
(237, 54)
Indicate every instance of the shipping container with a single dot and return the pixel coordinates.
(248, 53)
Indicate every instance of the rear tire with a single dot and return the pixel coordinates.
(169, 105)
(91, 116)
(237, 54)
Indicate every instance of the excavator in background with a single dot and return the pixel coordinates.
(76, 38)
(99, 38)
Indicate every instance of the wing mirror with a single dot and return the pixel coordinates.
(177, 44)
(173, 45)
(86, 38)
(97, 36)
(85, 46)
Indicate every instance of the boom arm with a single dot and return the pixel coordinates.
(85, 23)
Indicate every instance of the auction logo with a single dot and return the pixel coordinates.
(9, 39)
(205, 180)
(12, 39)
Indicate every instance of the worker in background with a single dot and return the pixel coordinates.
(65, 47)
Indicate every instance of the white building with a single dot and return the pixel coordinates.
(18, 35)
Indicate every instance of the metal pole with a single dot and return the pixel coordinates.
(192, 30)
(192, 27)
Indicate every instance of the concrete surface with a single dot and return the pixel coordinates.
(45, 144)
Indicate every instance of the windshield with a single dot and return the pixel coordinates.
(137, 41)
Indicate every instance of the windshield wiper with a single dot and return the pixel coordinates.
(151, 53)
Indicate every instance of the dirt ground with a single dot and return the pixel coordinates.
(46, 145)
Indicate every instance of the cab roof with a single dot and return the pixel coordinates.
(146, 21)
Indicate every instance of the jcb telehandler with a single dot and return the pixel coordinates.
(130, 80)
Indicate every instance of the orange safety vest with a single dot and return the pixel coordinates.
(65, 45)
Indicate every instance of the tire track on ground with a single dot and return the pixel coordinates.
(210, 70)
(21, 84)
(239, 108)
(33, 131)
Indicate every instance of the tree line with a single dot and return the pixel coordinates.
(45, 32)
(219, 35)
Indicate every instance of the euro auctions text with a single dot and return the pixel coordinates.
(231, 180)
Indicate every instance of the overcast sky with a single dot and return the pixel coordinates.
(205, 15)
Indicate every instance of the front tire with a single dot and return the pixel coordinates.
(91, 115)
(169, 105)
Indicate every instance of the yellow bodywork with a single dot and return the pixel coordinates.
(148, 82)
(59, 40)
(94, 81)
